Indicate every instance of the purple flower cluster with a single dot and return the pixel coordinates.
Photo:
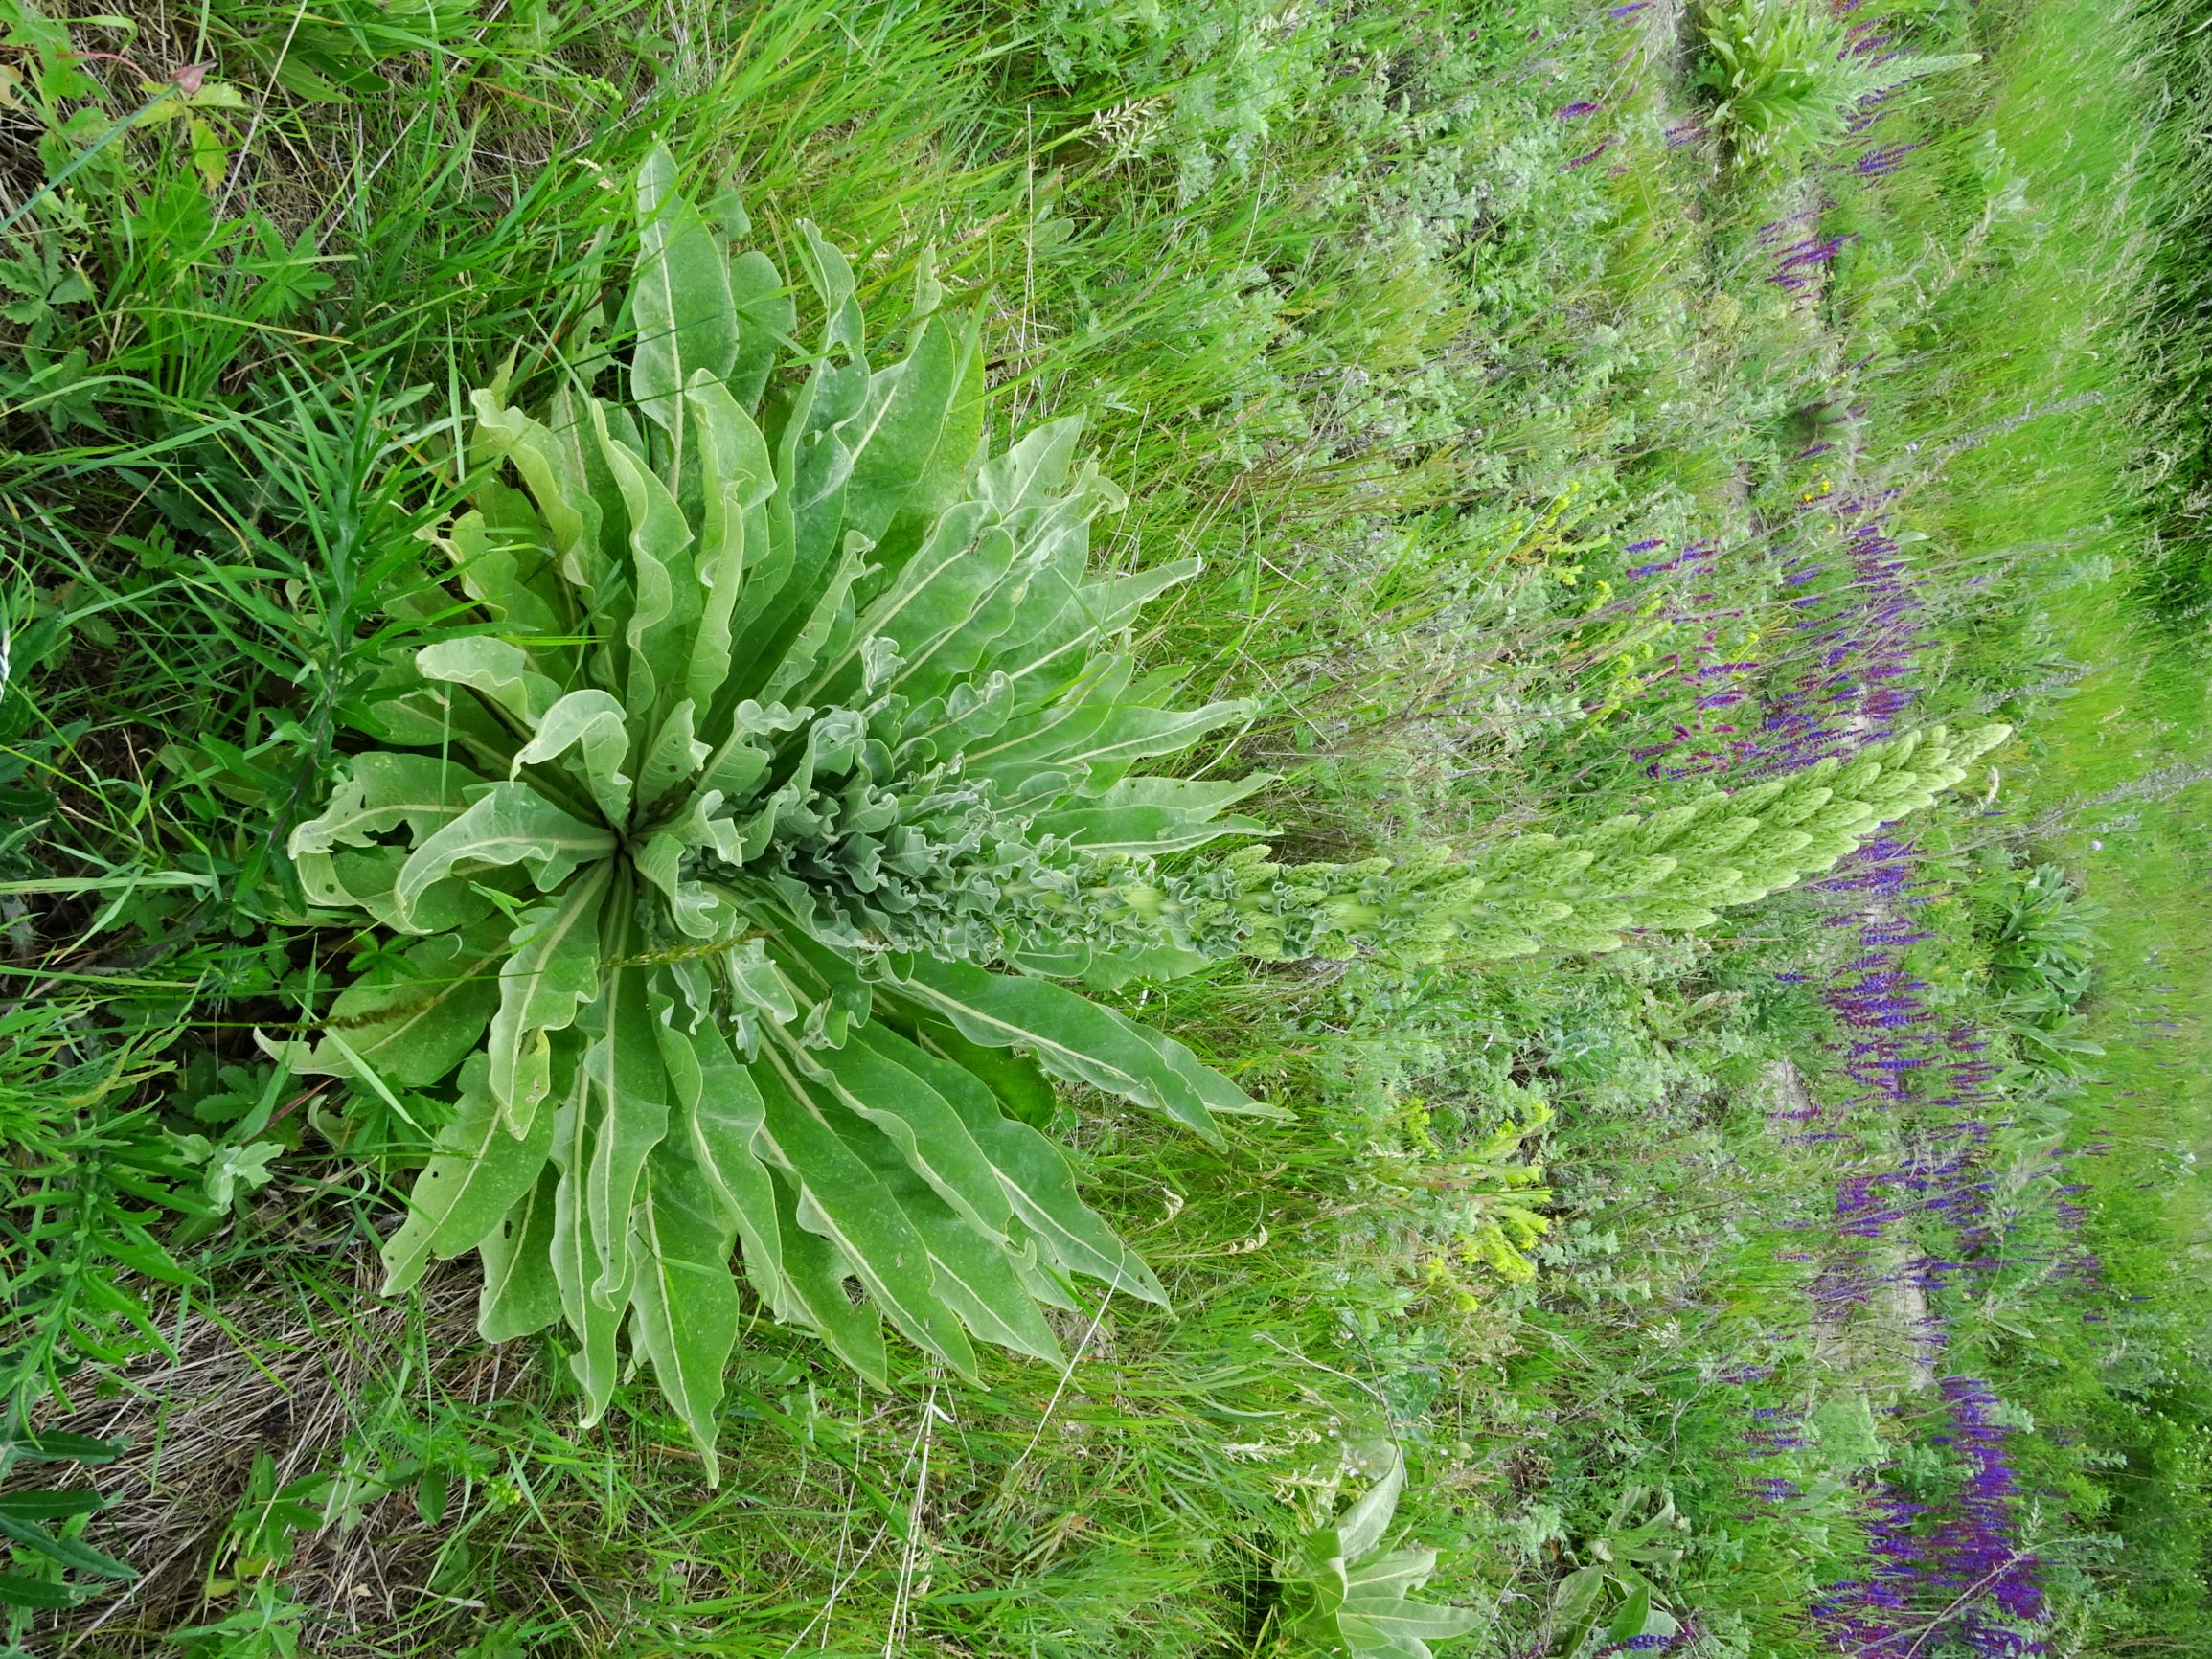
(1842, 673)
(1959, 1557)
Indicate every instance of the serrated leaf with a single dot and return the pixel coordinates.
(476, 1174)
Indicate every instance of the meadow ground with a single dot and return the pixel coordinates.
(1827, 1279)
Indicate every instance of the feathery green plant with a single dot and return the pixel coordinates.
(795, 721)
(1785, 78)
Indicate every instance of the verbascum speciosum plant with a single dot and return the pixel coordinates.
(736, 861)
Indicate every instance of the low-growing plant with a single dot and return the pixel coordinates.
(41, 1527)
(2041, 958)
(1345, 1594)
(737, 856)
(1787, 77)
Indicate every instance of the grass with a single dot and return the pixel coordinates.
(1349, 315)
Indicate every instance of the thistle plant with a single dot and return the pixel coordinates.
(1786, 78)
(733, 860)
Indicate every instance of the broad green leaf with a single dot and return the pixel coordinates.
(919, 425)
(685, 1300)
(579, 1256)
(1038, 1182)
(1397, 1619)
(1400, 1572)
(718, 1112)
(964, 556)
(73, 1554)
(440, 716)
(1628, 1622)
(766, 318)
(495, 670)
(413, 1028)
(914, 1119)
(490, 568)
(969, 1273)
(593, 722)
(508, 824)
(382, 791)
(552, 974)
(673, 756)
(681, 306)
(1039, 663)
(816, 1275)
(1073, 1037)
(1045, 538)
(1020, 1086)
(1154, 816)
(629, 1084)
(50, 1506)
(556, 482)
(843, 1202)
(365, 876)
(577, 418)
(665, 607)
(1032, 467)
(1103, 741)
(1360, 1531)
(737, 478)
(17, 1590)
(476, 1174)
(520, 1294)
(828, 627)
